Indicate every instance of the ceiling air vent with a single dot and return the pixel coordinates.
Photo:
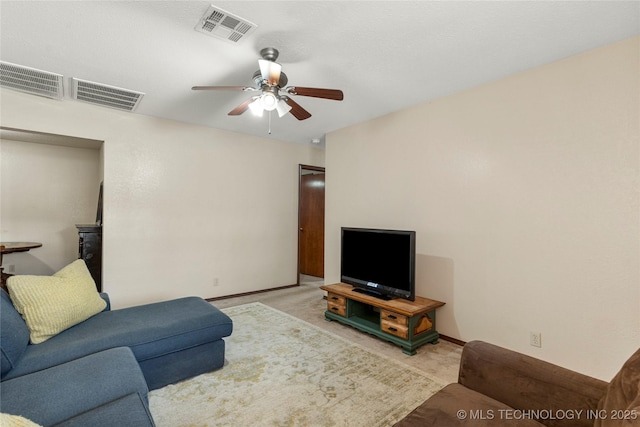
(106, 96)
(224, 25)
(30, 80)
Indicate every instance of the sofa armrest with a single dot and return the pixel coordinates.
(62, 392)
(105, 297)
(527, 383)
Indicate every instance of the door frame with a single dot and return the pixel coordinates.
(302, 168)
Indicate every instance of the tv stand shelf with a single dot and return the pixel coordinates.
(408, 324)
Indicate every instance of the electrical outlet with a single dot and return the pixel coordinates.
(215, 281)
(535, 339)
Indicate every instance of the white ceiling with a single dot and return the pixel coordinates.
(384, 55)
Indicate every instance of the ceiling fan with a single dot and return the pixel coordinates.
(273, 92)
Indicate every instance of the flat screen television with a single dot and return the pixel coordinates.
(379, 262)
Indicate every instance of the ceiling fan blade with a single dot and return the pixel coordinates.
(270, 71)
(241, 108)
(222, 88)
(296, 110)
(334, 94)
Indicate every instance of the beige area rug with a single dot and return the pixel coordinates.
(282, 371)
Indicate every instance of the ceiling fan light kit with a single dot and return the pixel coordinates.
(270, 71)
(268, 100)
(282, 107)
(255, 107)
(271, 81)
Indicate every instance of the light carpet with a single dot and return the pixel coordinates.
(282, 371)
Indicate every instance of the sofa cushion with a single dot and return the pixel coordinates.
(456, 405)
(151, 331)
(51, 304)
(14, 335)
(54, 395)
(622, 397)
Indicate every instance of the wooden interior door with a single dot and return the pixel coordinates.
(311, 222)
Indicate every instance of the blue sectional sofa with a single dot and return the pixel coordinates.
(99, 371)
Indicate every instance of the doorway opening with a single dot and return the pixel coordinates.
(311, 224)
(56, 179)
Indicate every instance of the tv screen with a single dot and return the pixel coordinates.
(379, 262)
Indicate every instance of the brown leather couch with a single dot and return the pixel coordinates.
(499, 387)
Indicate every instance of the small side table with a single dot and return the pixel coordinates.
(9, 248)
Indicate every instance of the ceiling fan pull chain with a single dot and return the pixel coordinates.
(269, 122)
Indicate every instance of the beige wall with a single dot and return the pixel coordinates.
(524, 196)
(45, 190)
(183, 205)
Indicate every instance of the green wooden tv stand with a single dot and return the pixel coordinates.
(408, 324)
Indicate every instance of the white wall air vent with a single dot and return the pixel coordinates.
(30, 80)
(224, 25)
(106, 96)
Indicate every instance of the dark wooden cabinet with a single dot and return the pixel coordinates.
(90, 250)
